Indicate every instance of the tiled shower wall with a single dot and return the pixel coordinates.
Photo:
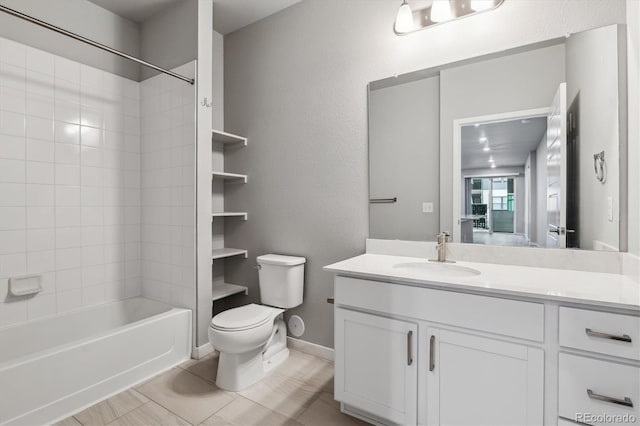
(69, 182)
(168, 188)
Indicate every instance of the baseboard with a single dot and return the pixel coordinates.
(200, 352)
(311, 348)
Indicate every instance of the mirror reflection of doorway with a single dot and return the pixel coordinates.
(491, 206)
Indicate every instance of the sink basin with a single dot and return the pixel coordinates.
(435, 268)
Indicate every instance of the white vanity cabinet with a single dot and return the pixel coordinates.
(377, 366)
(413, 355)
(424, 354)
(474, 380)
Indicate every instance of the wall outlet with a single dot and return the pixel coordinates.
(427, 207)
(610, 209)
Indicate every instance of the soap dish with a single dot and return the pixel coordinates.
(24, 286)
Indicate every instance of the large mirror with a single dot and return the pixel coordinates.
(523, 148)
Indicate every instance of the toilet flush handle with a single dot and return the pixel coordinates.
(258, 267)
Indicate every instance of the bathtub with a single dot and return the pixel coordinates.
(53, 367)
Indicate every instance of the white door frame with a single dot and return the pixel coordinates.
(457, 151)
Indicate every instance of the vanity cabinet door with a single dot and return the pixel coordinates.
(376, 365)
(473, 380)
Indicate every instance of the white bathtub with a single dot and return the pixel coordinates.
(53, 367)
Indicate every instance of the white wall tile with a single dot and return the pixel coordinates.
(68, 216)
(40, 172)
(38, 60)
(68, 279)
(68, 237)
(69, 300)
(41, 239)
(39, 150)
(40, 195)
(12, 218)
(12, 147)
(12, 171)
(40, 261)
(39, 217)
(70, 164)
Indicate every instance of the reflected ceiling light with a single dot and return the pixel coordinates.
(479, 5)
(493, 165)
(491, 160)
(486, 148)
(483, 139)
(404, 18)
(441, 11)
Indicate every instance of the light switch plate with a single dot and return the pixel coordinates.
(427, 207)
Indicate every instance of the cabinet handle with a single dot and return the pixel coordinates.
(626, 401)
(409, 347)
(432, 357)
(623, 338)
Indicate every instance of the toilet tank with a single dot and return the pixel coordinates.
(281, 280)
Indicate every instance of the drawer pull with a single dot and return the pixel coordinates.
(626, 401)
(432, 355)
(623, 338)
(409, 347)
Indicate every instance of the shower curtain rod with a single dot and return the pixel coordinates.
(62, 31)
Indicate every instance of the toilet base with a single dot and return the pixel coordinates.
(237, 372)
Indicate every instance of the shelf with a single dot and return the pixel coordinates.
(227, 252)
(227, 138)
(230, 177)
(220, 291)
(242, 215)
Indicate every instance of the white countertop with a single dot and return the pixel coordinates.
(595, 288)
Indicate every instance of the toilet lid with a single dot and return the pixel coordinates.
(242, 318)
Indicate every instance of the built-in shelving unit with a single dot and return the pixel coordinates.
(242, 215)
(218, 136)
(227, 252)
(220, 291)
(221, 288)
(230, 177)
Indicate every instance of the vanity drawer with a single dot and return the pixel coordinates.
(599, 388)
(514, 318)
(602, 332)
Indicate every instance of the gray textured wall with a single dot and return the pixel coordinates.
(404, 134)
(83, 18)
(170, 37)
(295, 84)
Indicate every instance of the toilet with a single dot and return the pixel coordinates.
(252, 339)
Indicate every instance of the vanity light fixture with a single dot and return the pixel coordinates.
(479, 5)
(440, 11)
(404, 18)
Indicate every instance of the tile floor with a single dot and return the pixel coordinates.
(299, 392)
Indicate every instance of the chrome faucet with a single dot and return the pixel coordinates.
(443, 239)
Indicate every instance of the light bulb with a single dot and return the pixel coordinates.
(479, 5)
(440, 11)
(404, 18)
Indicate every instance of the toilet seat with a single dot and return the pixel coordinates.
(243, 318)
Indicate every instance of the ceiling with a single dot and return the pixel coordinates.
(509, 142)
(231, 15)
(228, 15)
(135, 10)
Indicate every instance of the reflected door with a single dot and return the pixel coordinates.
(557, 170)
